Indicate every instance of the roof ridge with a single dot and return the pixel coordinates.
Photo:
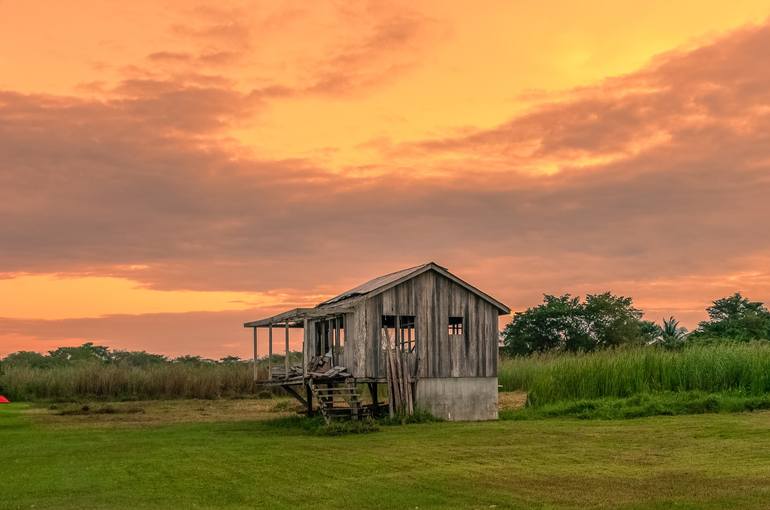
(375, 283)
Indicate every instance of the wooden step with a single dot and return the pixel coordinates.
(337, 401)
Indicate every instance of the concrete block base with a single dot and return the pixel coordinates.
(458, 398)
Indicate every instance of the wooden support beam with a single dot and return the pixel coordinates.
(375, 397)
(256, 376)
(286, 361)
(309, 398)
(398, 340)
(291, 391)
(337, 340)
(270, 351)
(305, 337)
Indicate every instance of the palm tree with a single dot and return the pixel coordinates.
(671, 334)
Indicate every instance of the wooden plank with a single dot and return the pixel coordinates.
(421, 327)
(360, 340)
(442, 316)
(456, 344)
(337, 340)
(296, 315)
(256, 375)
(397, 333)
(430, 324)
(309, 399)
(291, 391)
(389, 372)
(479, 339)
(494, 327)
(305, 347)
(270, 352)
(286, 360)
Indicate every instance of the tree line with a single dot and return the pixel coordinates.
(600, 321)
(89, 352)
(559, 324)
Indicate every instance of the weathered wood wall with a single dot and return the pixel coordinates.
(432, 299)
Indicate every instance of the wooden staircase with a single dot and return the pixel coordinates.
(337, 399)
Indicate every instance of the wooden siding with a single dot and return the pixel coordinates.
(432, 299)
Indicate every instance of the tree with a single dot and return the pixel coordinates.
(86, 352)
(555, 324)
(193, 360)
(27, 359)
(614, 321)
(137, 358)
(735, 318)
(671, 335)
(564, 323)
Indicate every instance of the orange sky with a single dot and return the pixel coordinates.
(171, 169)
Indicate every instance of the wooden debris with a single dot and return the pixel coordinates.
(399, 380)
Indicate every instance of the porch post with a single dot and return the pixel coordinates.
(335, 355)
(256, 377)
(337, 339)
(304, 348)
(270, 351)
(286, 361)
(309, 399)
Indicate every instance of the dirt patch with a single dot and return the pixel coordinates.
(511, 400)
(158, 412)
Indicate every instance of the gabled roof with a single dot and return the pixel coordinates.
(375, 284)
(344, 302)
(385, 282)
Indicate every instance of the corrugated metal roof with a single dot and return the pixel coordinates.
(374, 284)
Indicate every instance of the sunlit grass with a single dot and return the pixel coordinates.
(742, 368)
(706, 461)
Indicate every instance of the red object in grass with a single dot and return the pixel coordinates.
(4, 400)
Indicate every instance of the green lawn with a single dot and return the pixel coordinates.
(138, 461)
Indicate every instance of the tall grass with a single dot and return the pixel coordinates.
(717, 368)
(94, 380)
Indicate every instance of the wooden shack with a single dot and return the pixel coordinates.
(443, 330)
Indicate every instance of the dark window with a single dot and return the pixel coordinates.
(389, 327)
(406, 333)
(400, 329)
(455, 325)
(325, 331)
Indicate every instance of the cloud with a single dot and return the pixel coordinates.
(208, 334)
(681, 98)
(657, 176)
(379, 44)
(383, 50)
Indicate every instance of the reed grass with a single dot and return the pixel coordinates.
(99, 381)
(549, 378)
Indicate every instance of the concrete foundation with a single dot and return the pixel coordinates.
(458, 398)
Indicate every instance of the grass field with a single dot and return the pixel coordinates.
(233, 454)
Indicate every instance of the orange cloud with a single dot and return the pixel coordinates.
(649, 184)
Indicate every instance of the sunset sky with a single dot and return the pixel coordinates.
(169, 170)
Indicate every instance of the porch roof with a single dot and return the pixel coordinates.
(295, 318)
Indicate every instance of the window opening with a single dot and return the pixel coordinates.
(455, 325)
